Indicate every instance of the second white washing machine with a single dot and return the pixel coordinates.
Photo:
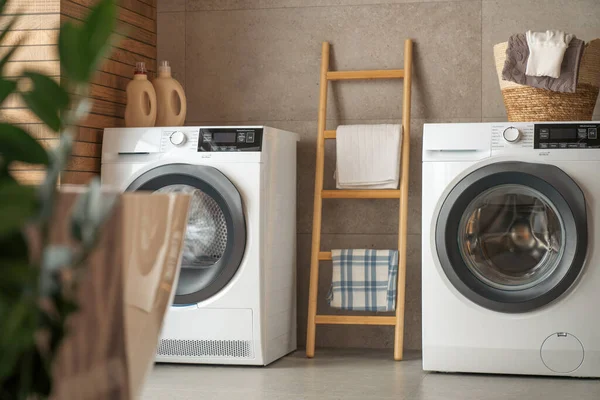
(511, 266)
(235, 302)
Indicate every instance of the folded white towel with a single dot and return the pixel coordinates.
(546, 52)
(368, 156)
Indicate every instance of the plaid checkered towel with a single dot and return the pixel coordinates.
(364, 280)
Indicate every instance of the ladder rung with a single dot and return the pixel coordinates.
(324, 255)
(369, 74)
(330, 134)
(361, 194)
(355, 320)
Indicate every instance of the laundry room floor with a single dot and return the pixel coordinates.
(352, 375)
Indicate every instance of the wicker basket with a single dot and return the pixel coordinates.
(525, 103)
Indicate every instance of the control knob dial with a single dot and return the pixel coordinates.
(178, 138)
(512, 134)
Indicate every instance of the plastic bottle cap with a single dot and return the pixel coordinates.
(164, 67)
(140, 67)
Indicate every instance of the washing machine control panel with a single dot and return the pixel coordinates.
(230, 139)
(566, 136)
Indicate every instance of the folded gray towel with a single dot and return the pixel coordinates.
(515, 65)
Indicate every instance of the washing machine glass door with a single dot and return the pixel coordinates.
(216, 233)
(512, 236)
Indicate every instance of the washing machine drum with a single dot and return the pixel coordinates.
(216, 232)
(512, 236)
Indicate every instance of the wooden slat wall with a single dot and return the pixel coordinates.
(37, 30)
(135, 40)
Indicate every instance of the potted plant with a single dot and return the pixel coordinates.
(35, 299)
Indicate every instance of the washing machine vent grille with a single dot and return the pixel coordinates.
(206, 348)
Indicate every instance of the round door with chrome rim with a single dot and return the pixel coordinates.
(512, 236)
(216, 232)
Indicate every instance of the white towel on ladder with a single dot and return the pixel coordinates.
(368, 156)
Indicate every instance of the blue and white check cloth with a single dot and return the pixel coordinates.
(364, 280)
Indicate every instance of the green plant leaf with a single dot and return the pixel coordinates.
(18, 277)
(18, 333)
(53, 259)
(17, 205)
(7, 57)
(47, 99)
(6, 88)
(47, 189)
(50, 89)
(72, 53)
(13, 247)
(18, 145)
(89, 213)
(98, 28)
(81, 48)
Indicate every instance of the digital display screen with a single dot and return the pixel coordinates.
(224, 137)
(563, 133)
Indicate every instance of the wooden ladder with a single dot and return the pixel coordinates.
(320, 194)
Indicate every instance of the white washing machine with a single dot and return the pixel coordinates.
(511, 265)
(235, 301)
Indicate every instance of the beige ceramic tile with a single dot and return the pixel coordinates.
(203, 5)
(171, 43)
(359, 336)
(264, 64)
(502, 18)
(170, 5)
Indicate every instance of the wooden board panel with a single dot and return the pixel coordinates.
(18, 116)
(30, 38)
(127, 57)
(87, 149)
(136, 6)
(137, 34)
(15, 69)
(104, 107)
(117, 68)
(110, 80)
(80, 149)
(32, 178)
(108, 94)
(13, 101)
(149, 2)
(32, 7)
(39, 131)
(34, 21)
(19, 166)
(77, 178)
(138, 20)
(135, 46)
(88, 164)
(74, 10)
(102, 121)
(139, 7)
(32, 53)
(122, 28)
(89, 135)
(85, 164)
(25, 116)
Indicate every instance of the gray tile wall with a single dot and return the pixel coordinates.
(257, 61)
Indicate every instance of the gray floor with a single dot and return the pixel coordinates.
(353, 375)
